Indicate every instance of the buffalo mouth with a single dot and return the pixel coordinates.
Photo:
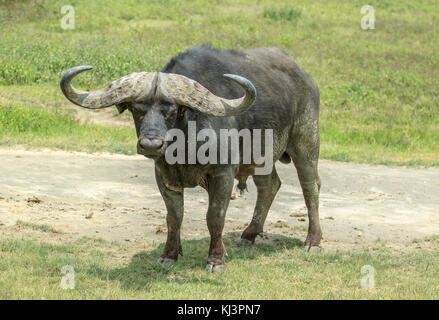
(151, 153)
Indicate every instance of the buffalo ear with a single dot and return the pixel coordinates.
(121, 107)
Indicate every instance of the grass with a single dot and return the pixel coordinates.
(281, 14)
(379, 88)
(30, 126)
(32, 270)
(36, 226)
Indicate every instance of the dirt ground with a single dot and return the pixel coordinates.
(115, 197)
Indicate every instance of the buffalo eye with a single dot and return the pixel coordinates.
(137, 114)
(182, 110)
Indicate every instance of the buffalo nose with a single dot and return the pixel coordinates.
(148, 144)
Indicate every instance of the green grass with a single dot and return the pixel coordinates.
(32, 270)
(281, 14)
(24, 125)
(36, 226)
(379, 88)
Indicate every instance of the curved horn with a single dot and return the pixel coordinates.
(137, 85)
(187, 92)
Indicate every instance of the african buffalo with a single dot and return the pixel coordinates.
(202, 86)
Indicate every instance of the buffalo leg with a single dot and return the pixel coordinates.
(267, 187)
(174, 205)
(305, 157)
(219, 189)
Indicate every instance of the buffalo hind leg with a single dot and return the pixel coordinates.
(307, 171)
(267, 187)
(219, 189)
(174, 205)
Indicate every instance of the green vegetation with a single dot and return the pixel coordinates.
(379, 88)
(56, 128)
(30, 269)
(281, 14)
(36, 226)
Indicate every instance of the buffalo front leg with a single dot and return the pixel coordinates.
(220, 188)
(267, 187)
(174, 205)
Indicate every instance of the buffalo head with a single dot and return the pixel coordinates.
(155, 99)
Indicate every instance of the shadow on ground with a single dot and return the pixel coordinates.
(143, 269)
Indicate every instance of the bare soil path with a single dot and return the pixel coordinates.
(115, 197)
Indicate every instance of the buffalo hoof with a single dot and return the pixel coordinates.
(313, 249)
(219, 268)
(243, 242)
(166, 260)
